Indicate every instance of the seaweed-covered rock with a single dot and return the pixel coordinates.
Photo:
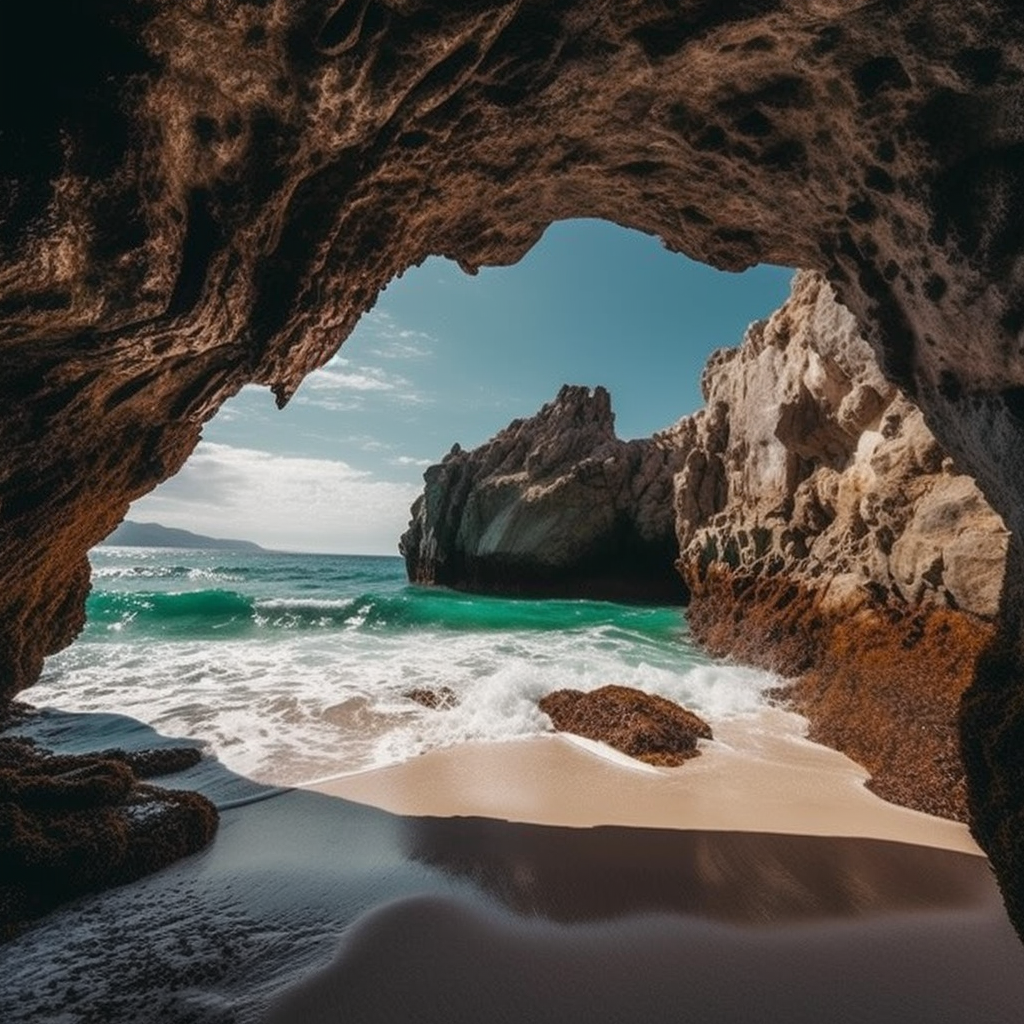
(823, 532)
(73, 824)
(642, 725)
(436, 698)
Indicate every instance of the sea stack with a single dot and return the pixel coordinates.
(552, 505)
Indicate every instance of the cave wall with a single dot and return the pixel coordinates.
(195, 194)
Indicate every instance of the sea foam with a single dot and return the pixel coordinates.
(303, 666)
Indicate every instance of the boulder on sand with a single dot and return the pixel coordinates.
(644, 726)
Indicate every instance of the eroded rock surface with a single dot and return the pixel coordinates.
(195, 195)
(642, 725)
(72, 824)
(807, 458)
(552, 504)
(824, 532)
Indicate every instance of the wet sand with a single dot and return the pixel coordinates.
(432, 961)
(311, 907)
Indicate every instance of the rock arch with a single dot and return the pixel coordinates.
(200, 194)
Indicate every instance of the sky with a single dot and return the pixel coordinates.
(446, 357)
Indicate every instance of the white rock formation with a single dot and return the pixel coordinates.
(806, 462)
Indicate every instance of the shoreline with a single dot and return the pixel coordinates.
(760, 774)
(625, 898)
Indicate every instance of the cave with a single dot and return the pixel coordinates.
(202, 195)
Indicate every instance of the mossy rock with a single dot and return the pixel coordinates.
(74, 824)
(647, 727)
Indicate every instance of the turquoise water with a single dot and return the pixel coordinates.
(293, 667)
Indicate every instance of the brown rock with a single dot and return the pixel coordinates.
(886, 689)
(72, 824)
(439, 698)
(555, 504)
(838, 544)
(878, 683)
(828, 475)
(647, 727)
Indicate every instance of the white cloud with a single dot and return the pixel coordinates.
(325, 387)
(298, 504)
(391, 341)
(364, 442)
(330, 404)
(370, 378)
(406, 460)
(398, 348)
(349, 442)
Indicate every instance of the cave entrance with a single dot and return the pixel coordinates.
(444, 357)
(448, 358)
(783, 141)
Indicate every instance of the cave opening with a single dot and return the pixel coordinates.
(443, 357)
(881, 149)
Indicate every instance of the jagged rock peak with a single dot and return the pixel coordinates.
(555, 503)
(575, 422)
(576, 405)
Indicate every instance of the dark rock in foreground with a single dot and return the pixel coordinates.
(74, 824)
(553, 505)
(644, 726)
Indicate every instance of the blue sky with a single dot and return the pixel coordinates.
(446, 357)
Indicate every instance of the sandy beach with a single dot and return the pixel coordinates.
(545, 880)
(759, 775)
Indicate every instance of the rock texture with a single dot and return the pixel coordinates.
(824, 533)
(642, 725)
(195, 195)
(555, 504)
(72, 824)
(443, 698)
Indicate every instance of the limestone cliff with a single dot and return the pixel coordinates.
(553, 504)
(824, 532)
(198, 195)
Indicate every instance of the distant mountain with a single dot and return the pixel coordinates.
(153, 535)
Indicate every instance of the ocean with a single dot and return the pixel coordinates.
(296, 667)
